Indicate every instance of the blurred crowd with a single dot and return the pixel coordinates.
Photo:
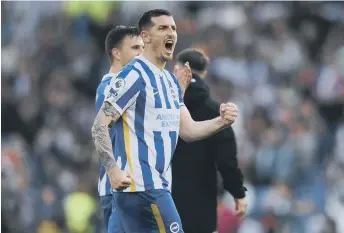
(282, 63)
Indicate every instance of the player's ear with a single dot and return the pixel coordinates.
(116, 54)
(145, 37)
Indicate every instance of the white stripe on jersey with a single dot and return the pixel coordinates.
(168, 79)
(102, 185)
(160, 92)
(119, 161)
(168, 175)
(167, 149)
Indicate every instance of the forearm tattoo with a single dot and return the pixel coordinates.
(101, 137)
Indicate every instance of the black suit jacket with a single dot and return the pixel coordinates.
(195, 166)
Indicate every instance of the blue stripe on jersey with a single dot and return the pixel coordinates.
(173, 136)
(175, 102)
(152, 80)
(124, 99)
(159, 147)
(100, 92)
(102, 171)
(160, 156)
(164, 181)
(168, 106)
(142, 145)
(120, 144)
(126, 69)
(108, 187)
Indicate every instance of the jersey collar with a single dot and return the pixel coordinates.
(151, 66)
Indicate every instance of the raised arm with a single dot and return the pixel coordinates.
(191, 130)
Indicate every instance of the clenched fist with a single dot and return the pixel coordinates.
(119, 179)
(228, 113)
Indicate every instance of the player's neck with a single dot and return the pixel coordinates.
(115, 68)
(154, 60)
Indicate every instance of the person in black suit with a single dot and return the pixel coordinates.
(195, 165)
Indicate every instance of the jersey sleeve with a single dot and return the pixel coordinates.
(123, 90)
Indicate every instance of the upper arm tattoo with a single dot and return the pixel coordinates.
(100, 134)
(110, 111)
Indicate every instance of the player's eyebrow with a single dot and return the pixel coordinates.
(135, 46)
(173, 26)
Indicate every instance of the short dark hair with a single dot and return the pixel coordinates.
(146, 18)
(198, 61)
(115, 37)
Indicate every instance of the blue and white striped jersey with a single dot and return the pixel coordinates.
(149, 102)
(104, 186)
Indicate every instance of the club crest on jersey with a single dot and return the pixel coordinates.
(119, 84)
(116, 88)
(173, 93)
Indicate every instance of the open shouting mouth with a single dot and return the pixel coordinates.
(169, 45)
